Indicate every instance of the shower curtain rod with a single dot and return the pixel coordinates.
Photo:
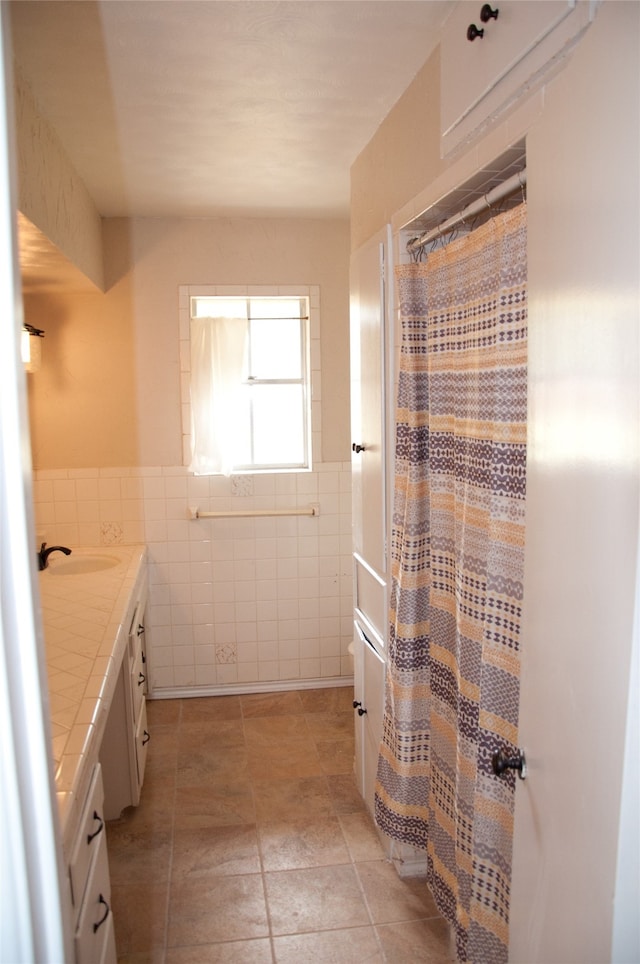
(514, 183)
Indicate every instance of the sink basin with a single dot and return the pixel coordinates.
(80, 565)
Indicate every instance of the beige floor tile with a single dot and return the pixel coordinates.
(336, 756)
(216, 733)
(330, 726)
(361, 836)
(138, 856)
(314, 899)
(330, 700)
(215, 850)
(200, 709)
(412, 942)
(162, 754)
(235, 952)
(314, 842)
(276, 731)
(211, 908)
(228, 803)
(357, 945)
(163, 711)
(291, 799)
(140, 917)
(157, 802)
(391, 898)
(250, 795)
(271, 704)
(344, 794)
(207, 763)
(289, 760)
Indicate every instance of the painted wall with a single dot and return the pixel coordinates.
(401, 159)
(112, 360)
(232, 603)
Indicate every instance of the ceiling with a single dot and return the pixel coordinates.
(220, 108)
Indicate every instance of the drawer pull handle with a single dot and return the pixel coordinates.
(144, 658)
(140, 630)
(96, 816)
(146, 738)
(141, 679)
(101, 900)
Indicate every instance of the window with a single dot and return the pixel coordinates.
(249, 383)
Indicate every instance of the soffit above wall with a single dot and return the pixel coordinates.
(43, 267)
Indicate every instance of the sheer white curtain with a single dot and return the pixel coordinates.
(217, 356)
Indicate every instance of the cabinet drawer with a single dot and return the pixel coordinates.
(94, 938)
(138, 680)
(90, 833)
(142, 744)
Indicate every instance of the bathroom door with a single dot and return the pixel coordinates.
(582, 501)
(33, 923)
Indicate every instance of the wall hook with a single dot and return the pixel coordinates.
(473, 32)
(487, 14)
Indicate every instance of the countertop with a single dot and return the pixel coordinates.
(86, 623)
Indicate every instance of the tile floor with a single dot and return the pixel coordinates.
(251, 843)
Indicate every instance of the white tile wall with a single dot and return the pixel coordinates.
(233, 602)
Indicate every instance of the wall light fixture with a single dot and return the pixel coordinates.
(31, 347)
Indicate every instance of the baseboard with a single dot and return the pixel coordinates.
(239, 689)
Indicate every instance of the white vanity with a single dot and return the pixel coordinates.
(93, 606)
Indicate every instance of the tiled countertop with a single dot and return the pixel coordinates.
(86, 622)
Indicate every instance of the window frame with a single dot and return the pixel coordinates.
(310, 364)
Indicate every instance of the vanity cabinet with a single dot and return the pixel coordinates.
(123, 751)
(94, 937)
(519, 49)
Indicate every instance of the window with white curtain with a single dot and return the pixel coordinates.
(250, 407)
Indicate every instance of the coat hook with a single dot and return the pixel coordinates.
(487, 14)
(473, 32)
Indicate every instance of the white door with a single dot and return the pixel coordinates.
(32, 906)
(582, 498)
(368, 401)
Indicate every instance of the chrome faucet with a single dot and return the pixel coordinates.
(43, 555)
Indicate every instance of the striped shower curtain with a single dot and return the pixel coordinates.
(452, 686)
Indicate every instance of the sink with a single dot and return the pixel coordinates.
(80, 565)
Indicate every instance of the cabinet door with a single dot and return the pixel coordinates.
(368, 400)
(369, 693)
(94, 939)
(142, 745)
(91, 830)
(482, 78)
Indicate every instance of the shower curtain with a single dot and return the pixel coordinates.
(452, 684)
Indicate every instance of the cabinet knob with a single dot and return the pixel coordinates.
(357, 448)
(140, 630)
(360, 708)
(141, 679)
(487, 13)
(473, 32)
(146, 737)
